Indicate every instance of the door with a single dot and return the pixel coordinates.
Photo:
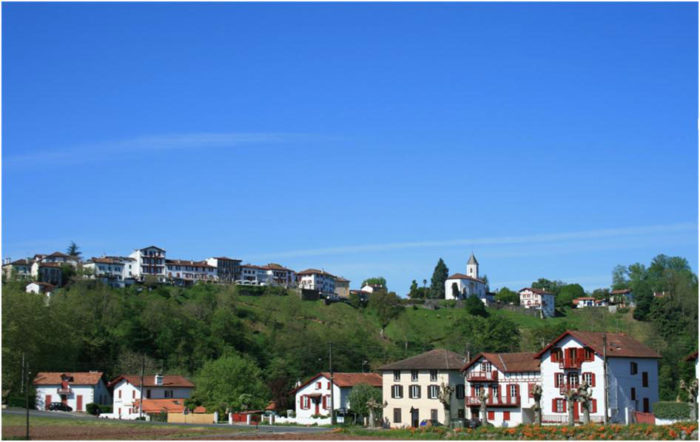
(79, 405)
(414, 418)
(47, 401)
(316, 401)
(575, 406)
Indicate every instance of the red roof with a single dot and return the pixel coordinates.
(106, 260)
(314, 272)
(620, 292)
(165, 405)
(184, 262)
(537, 291)
(345, 380)
(463, 276)
(619, 345)
(509, 362)
(56, 377)
(149, 381)
(273, 266)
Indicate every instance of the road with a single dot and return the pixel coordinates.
(253, 429)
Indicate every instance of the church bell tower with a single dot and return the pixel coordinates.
(473, 267)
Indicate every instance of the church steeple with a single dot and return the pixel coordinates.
(473, 267)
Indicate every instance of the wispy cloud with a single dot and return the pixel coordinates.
(106, 150)
(502, 240)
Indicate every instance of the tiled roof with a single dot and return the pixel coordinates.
(20, 262)
(55, 378)
(273, 266)
(314, 272)
(149, 381)
(165, 405)
(252, 266)
(341, 279)
(184, 262)
(438, 359)
(620, 292)
(105, 260)
(60, 255)
(509, 362)
(537, 291)
(344, 380)
(463, 276)
(151, 247)
(619, 345)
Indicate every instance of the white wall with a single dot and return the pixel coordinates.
(339, 398)
(89, 394)
(122, 403)
(466, 287)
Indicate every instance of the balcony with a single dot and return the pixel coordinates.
(482, 376)
(570, 364)
(493, 401)
(563, 388)
(64, 391)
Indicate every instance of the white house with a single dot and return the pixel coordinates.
(19, 269)
(39, 287)
(537, 299)
(61, 258)
(252, 274)
(577, 356)
(461, 286)
(73, 389)
(508, 380)
(313, 397)
(126, 392)
(588, 301)
(278, 275)
(228, 270)
(149, 261)
(622, 297)
(114, 270)
(185, 272)
(410, 388)
(319, 280)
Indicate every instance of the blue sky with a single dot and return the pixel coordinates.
(553, 140)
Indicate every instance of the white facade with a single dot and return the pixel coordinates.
(537, 299)
(149, 261)
(39, 287)
(188, 272)
(632, 382)
(126, 393)
(76, 396)
(314, 399)
(115, 270)
(252, 274)
(317, 280)
(467, 284)
(510, 400)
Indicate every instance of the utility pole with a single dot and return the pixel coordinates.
(143, 367)
(330, 363)
(26, 391)
(605, 377)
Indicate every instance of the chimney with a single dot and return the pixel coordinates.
(159, 379)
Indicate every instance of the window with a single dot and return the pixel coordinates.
(459, 391)
(133, 394)
(148, 393)
(506, 415)
(318, 385)
(414, 391)
(559, 406)
(120, 394)
(556, 355)
(168, 393)
(486, 366)
(433, 375)
(559, 380)
(588, 354)
(414, 375)
(397, 415)
(433, 414)
(396, 391)
(646, 404)
(397, 375)
(633, 368)
(329, 385)
(633, 393)
(460, 413)
(573, 380)
(645, 379)
(433, 391)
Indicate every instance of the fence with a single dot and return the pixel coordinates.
(644, 418)
(192, 418)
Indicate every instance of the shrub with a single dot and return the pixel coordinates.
(92, 408)
(622, 310)
(672, 410)
(250, 290)
(105, 409)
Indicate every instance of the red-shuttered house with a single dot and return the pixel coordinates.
(313, 397)
(508, 379)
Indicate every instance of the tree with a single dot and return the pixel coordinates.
(601, 294)
(231, 383)
(73, 250)
(377, 280)
(387, 305)
(475, 307)
(507, 296)
(567, 294)
(413, 292)
(360, 395)
(437, 282)
(455, 291)
(548, 286)
(445, 397)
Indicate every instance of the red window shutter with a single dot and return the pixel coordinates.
(553, 357)
(594, 406)
(592, 379)
(323, 403)
(506, 415)
(554, 405)
(563, 404)
(490, 415)
(556, 380)
(517, 390)
(472, 390)
(579, 355)
(530, 388)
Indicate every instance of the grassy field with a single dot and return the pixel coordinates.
(13, 427)
(682, 430)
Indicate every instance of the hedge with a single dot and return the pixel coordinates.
(92, 408)
(672, 410)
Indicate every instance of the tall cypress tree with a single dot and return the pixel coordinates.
(437, 282)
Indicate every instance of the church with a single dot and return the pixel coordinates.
(461, 286)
